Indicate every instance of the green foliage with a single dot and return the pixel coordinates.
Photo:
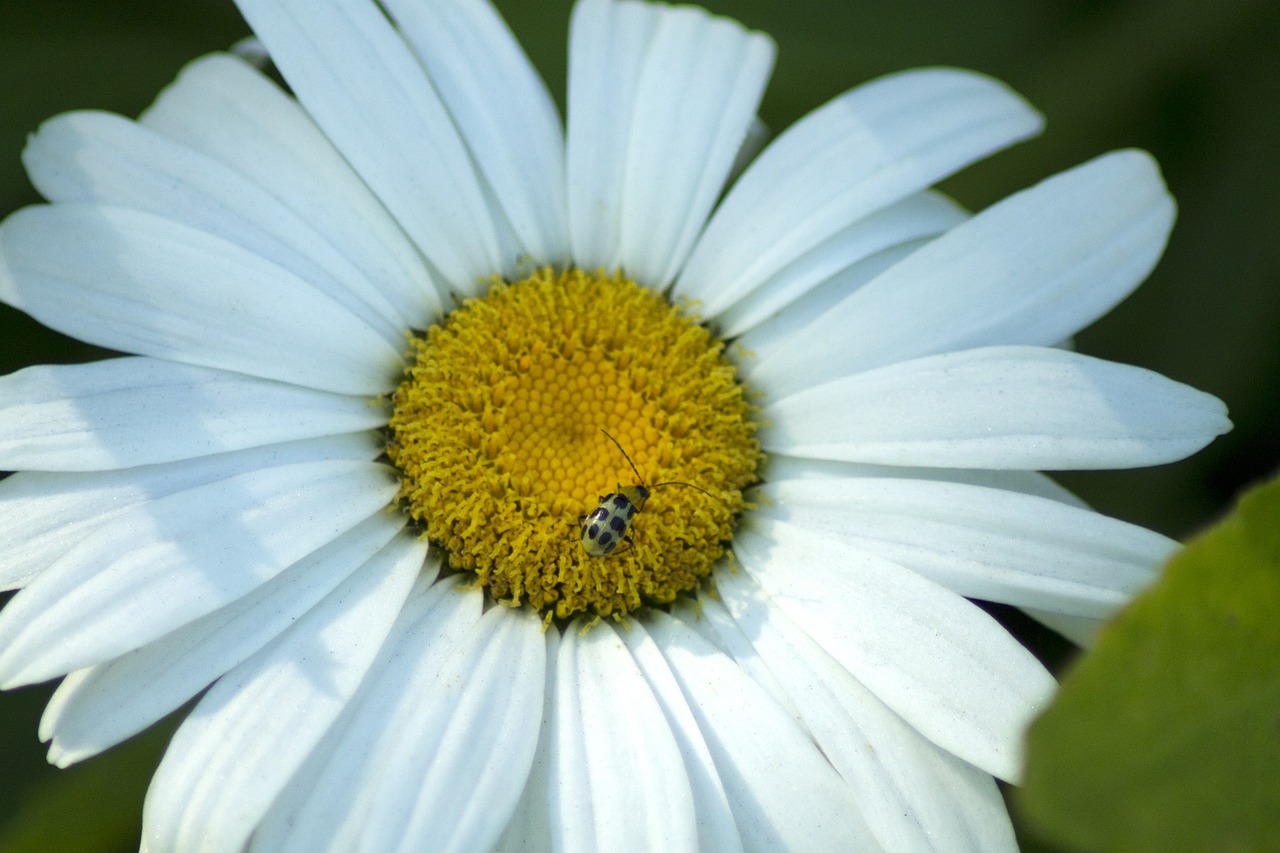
(1166, 736)
(95, 807)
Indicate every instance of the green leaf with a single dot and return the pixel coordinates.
(1167, 735)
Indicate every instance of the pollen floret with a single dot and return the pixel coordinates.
(499, 429)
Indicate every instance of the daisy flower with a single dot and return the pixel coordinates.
(396, 330)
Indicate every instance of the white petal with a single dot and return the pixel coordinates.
(529, 830)
(42, 515)
(503, 111)
(358, 79)
(814, 304)
(616, 768)
(226, 109)
(328, 801)
(914, 795)
(945, 666)
(468, 750)
(115, 700)
(106, 159)
(177, 558)
(695, 99)
(660, 101)
(1078, 629)
(1033, 269)
(607, 43)
(716, 827)
(860, 152)
(998, 407)
(781, 467)
(783, 792)
(737, 645)
(757, 136)
(125, 412)
(252, 730)
(918, 216)
(137, 283)
(981, 542)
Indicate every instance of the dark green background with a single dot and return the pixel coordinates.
(1196, 83)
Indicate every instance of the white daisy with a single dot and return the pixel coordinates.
(247, 503)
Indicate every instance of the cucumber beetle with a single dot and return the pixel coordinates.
(607, 525)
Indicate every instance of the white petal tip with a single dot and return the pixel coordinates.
(61, 758)
(23, 677)
(22, 666)
(1205, 419)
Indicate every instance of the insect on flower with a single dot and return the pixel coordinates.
(606, 527)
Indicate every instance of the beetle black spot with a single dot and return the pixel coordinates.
(593, 531)
(621, 501)
(605, 538)
(631, 511)
(600, 514)
(618, 525)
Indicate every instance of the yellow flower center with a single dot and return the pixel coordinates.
(500, 430)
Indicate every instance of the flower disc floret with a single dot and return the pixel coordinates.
(499, 429)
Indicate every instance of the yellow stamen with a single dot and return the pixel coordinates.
(498, 431)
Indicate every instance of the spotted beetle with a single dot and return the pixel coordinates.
(607, 525)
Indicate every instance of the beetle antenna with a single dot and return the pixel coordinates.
(689, 485)
(626, 457)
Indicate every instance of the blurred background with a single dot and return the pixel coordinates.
(1195, 83)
